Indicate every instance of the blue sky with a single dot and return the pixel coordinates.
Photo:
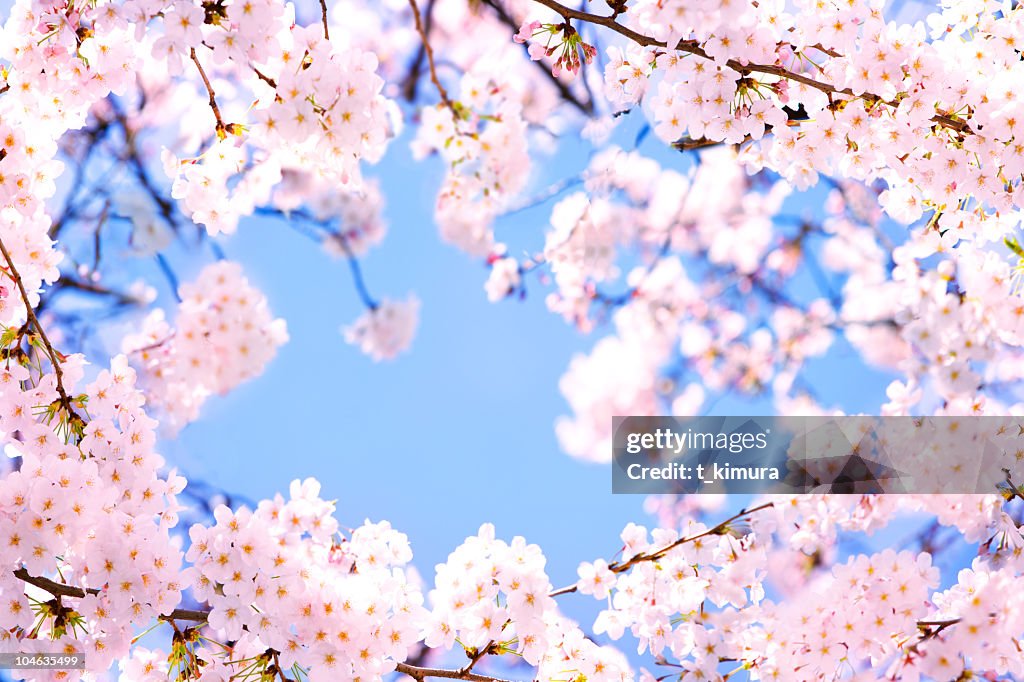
(457, 432)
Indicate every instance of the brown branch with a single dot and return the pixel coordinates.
(477, 657)
(265, 78)
(221, 128)
(930, 629)
(191, 664)
(937, 623)
(323, 14)
(65, 401)
(620, 566)
(430, 59)
(687, 144)
(62, 590)
(96, 237)
(694, 48)
(277, 666)
(418, 673)
(411, 82)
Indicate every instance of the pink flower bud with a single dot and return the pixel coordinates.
(782, 90)
(526, 31)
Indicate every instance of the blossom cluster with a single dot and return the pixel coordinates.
(877, 100)
(493, 596)
(872, 614)
(88, 504)
(561, 39)
(909, 116)
(943, 309)
(282, 97)
(483, 143)
(661, 601)
(671, 310)
(283, 578)
(385, 330)
(223, 334)
(50, 81)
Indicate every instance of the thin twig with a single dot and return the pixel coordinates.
(65, 401)
(96, 247)
(323, 13)
(164, 204)
(430, 58)
(620, 566)
(476, 658)
(412, 79)
(221, 128)
(277, 665)
(168, 272)
(418, 673)
(265, 78)
(334, 236)
(357, 272)
(930, 629)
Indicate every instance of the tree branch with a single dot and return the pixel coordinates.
(412, 79)
(221, 128)
(65, 401)
(694, 48)
(430, 58)
(357, 272)
(619, 567)
(323, 14)
(418, 673)
(265, 78)
(62, 590)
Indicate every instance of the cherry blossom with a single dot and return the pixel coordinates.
(766, 184)
(385, 330)
(223, 335)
